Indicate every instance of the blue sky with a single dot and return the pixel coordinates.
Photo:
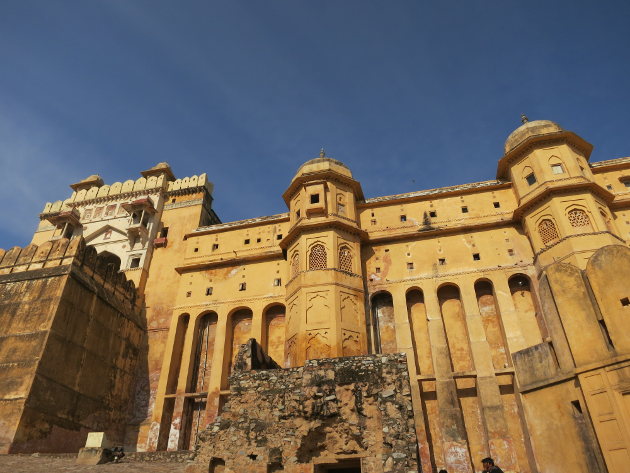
(409, 94)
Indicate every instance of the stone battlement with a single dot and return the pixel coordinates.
(73, 253)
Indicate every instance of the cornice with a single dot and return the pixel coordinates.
(232, 261)
(326, 224)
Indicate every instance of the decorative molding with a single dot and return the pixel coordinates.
(187, 203)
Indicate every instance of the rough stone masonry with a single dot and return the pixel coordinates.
(353, 413)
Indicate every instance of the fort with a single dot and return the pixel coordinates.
(398, 334)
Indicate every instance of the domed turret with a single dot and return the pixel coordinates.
(529, 129)
(323, 163)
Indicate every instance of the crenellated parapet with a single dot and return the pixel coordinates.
(74, 254)
(129, 189)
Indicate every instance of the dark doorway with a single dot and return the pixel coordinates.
(343, 466)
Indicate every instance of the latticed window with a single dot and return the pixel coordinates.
(548, 231)
(579, 218)
(345, 259)
(295, 264)
(317, 257)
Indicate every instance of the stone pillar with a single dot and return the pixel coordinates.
(451, 420)
(497, 435)
(218, 365)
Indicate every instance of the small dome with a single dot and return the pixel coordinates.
(529, 129)
(323, 164)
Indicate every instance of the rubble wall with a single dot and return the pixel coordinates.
(299, 419)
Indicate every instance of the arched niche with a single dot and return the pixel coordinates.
(454, 319)
(491, 319)
(383, 319)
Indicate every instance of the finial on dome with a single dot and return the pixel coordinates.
(322, 153)
(524, 118)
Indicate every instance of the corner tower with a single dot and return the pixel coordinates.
(562, 209)
(324, 294)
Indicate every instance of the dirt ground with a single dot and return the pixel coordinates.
(42, 464)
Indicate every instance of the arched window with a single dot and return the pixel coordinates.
(295, 264)
(579, 219)
(317, 257)
(548, 231)
(345, 259)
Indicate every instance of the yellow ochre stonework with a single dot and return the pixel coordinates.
(510, 299)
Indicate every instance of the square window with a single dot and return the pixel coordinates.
(510, 252)
(257, 240)
(189, 293)
(496, 204)
(464, 209)
(557, 168)
(476, 257)
(609, 187)
(626, 183)
(432, 213)
(242, 286)
(208, 291)
(378, 270)
(442, 261)
(403, 218)
(314, 198)
(173, 200)
(373, 221)
(531, 179)
(246, 242)
(215, 246)
(277, 282)
(410, 265)
(196, 250)
(279, 236)
(135, 262)
(164, 232)
(625, 302)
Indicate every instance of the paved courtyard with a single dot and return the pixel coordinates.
(43, 464)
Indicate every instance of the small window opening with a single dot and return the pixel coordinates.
(164, 232)
(297, 214)
(510, 252)
(135, 262)
(557, 168)
(208, 291)
(189, 293)
(378, 270)
(577, 409)
(432, 213)
(314, 198)
(410, 265)
(403, 218)
(531, 179)
(464, 209)
(442, 261)
(251, 456)
(196, 250)
(609, 187)
(496, 204)
(625, 302)
(373, 221)
(626, 183)
(476, 257)
(173, 201)
(279, 236)
(215, 246)
(246, 242)
(277, 282)
(257, 240)
(242, 286)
